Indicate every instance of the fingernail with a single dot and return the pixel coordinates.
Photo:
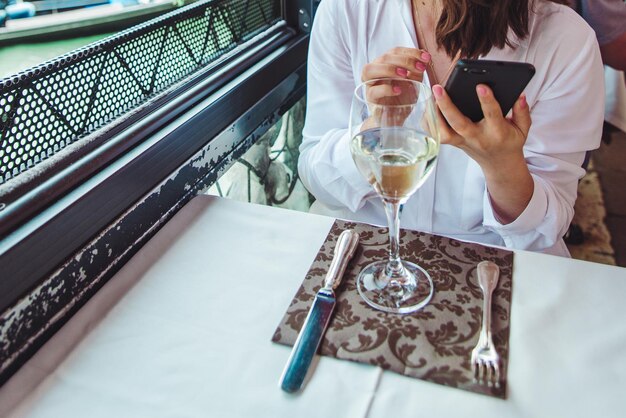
(402, 72)
(482, 91)
(438, 91)
(426, 56)
(397, 89)
(420, 66)
(522, 101)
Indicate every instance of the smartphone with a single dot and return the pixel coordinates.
(507, 80)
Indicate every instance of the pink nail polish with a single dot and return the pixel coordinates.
(482, 91)
(425, 56)
(420, 66)
(438, 91)
(522, 101)
(402, 72)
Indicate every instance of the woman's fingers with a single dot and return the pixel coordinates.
(416, 55)
(488, 103)
(457, 120)
(400, 62)
(375, 70)
(493, 112)
(446, 133)
(409, 62)
(376, 93)
(391, 92)
(521, 115)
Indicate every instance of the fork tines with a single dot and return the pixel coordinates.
(486, 372)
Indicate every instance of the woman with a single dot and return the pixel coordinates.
(509, 182)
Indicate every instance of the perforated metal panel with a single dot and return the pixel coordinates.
(46, 108)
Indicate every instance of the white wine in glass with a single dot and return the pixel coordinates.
(394, 146)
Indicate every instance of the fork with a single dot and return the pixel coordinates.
(485, 359)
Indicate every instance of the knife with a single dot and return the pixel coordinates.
(319, 316)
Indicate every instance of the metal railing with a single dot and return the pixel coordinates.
(118, 171)
(46, 108)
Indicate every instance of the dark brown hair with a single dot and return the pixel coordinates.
(474, 27)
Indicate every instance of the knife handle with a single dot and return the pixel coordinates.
(344, 250)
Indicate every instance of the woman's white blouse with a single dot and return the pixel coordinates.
(566, 98)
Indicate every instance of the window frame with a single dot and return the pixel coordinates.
(67, 236)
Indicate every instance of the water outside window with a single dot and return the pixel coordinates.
(16, 58)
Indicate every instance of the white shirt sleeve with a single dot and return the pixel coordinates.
(566, 123)
(325, 164)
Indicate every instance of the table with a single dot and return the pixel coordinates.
(184, 328)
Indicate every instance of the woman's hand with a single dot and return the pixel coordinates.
(496, 144)
(397, 63)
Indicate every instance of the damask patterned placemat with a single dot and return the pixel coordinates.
(433, 344)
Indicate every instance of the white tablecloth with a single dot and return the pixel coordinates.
(183, 330)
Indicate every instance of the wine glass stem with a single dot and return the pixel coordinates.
(394, 269)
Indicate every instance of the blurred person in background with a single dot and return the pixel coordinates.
(608, 19)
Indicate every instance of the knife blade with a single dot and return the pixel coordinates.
(319, 315)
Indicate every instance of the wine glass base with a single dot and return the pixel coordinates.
(402, 296)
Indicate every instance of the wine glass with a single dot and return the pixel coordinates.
(394, 144)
